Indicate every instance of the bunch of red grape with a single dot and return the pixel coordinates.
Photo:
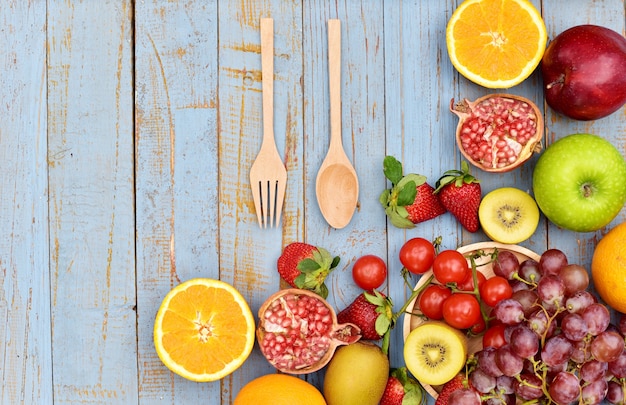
(557, 345)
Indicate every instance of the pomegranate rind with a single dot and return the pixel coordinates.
(336, 335)
(523, 150)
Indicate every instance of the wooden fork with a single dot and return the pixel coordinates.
(268, 175)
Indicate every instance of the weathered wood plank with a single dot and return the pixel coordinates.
(248, 254)
(610, 13)
(176, 173)
(26, 358)
(92, 245)
(363, 133)
(420, 130)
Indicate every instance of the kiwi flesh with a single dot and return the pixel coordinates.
(508, 215)
(435, 352)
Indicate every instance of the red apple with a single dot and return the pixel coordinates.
(584, 72)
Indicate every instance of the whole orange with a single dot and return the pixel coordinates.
(279, 389)
(608, 268)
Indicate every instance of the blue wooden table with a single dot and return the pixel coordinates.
(127, 129)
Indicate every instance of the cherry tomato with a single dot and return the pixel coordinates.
(479, 327)
(431, 300)
(494, 336)
(417, 255)
(450, 266)
(494, 290)
(369, 272)
(468, 282)
(461, 310)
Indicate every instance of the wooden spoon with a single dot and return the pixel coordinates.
(337, 185)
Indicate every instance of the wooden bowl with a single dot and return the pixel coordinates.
(474, 344)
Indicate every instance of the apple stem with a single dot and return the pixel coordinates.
(558, 81)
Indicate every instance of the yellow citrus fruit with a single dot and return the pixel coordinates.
(204, 329)
(496, 43)
(279, 389)
(608, 268)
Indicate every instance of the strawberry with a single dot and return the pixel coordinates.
(402, 389)
(372, 313)
(410, 200)
(459, 192)
(306, 266)
(454, 384)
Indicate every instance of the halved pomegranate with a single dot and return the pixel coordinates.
(298, 331)
(498, 132)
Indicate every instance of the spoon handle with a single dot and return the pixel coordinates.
(334, 79)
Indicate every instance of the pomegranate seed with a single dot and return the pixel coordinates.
(297, 329)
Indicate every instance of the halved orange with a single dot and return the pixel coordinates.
(204, 330)
(496, 43)
(608, 268)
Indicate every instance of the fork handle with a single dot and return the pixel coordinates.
(267, 77)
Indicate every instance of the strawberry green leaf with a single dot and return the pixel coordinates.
(399, 217)
(375, 298)
(418, 179)
(322, 291)
(384, 197)
(335, 262)
(382, 324)
(308, 265)
(300, 280)
(392, 169)
(406, 194)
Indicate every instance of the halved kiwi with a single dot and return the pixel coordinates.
(435, 352)
(508, 215)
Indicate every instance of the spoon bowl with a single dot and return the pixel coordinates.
(337, 185)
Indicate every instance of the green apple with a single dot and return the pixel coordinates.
(579, 182)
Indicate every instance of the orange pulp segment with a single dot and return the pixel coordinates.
(496, 43)
(204, 330)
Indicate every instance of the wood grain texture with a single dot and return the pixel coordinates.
(127, 132)
(176, 143)
(91, 209)
(26, 355)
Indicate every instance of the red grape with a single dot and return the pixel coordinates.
(597, 317)
(564, 388)
(508, 361)
(528, 387)
(594, 392)
(551, 262)
(574, 327)
(524, 341)
(529, 271)
(607, 346)
(505, 264)
(617, 367)
(615, 393)
(556, 351)
(593, 370)
(509, 312)
(575, 278)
